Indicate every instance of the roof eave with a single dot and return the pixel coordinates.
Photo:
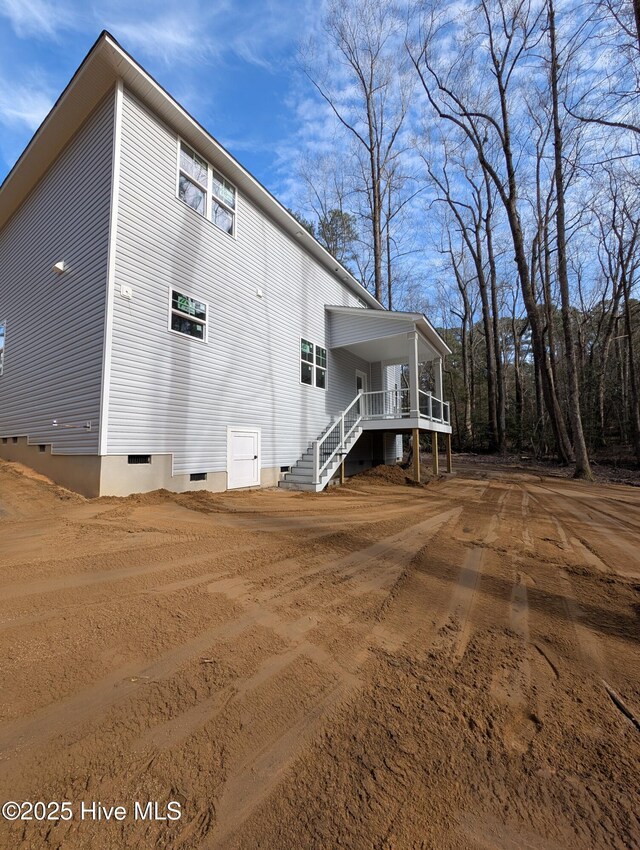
(105, 62)
(420, 320)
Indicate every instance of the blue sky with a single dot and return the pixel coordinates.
(232, 64)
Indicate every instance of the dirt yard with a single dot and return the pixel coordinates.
(453, 666)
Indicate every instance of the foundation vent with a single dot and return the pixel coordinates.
(198, 476)
(139, 459)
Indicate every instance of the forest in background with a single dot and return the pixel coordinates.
(480, 163)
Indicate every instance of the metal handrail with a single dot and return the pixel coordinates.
(335, 436)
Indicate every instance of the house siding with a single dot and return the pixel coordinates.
(349, 330)
(173, 394)
(55, 323)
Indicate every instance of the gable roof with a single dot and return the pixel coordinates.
(103, 65)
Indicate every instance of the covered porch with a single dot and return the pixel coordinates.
(403, 387)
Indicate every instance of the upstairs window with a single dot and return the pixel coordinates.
(193, 180)
(223, 202)
(188, 316)
(313, 365)
(206, 191)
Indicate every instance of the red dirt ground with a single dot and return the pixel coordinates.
(452, 666)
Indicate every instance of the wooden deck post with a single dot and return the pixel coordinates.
(416, 454)
(449, 466)
(342, 471)
(434, 452)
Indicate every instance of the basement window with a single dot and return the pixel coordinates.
(14, 439)
(42, 448)
(188, 316)
(198, 476)
(139, 459)
(4, 440)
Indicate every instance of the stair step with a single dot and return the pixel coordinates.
(301, 475)
(288, 485)
(293, 477)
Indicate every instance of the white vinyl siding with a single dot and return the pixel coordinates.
(54, 348)
(264, 292)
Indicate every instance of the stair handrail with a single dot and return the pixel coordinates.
(344, 436)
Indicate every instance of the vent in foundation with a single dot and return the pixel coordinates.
(42, 448)
(14, 439)
(198, 476)
(4, 439)
(139, 459)
(285, 469)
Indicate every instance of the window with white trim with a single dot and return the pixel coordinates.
(223, 202)
(313, 364)
(3, 329)
(321, 367)
(188, 316)
(205, 190)
(193, 180)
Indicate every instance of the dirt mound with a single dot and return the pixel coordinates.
(195, 500)
(20, 470)
(389, 474)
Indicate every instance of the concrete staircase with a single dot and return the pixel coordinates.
(321, 460)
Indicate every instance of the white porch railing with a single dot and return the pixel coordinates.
(385, 404)
(396, 404)
(333, 440)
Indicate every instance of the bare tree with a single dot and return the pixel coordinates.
(371, 103)
(583, 470)
(481, 110)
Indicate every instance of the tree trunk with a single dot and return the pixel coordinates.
(583, 469)
(495, 328)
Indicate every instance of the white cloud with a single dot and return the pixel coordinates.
(35, 17)
(169, 37)
(25, 105)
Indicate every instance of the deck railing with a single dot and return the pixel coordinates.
(384, 404)
(396, 404)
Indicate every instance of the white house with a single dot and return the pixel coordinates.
(164, 321)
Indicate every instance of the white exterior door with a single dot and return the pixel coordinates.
(362, 385)
(243, 457)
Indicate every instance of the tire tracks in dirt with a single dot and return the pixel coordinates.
(33, 730)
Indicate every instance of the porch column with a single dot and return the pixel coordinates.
(438, 378)
(413, 374)
(416, 455)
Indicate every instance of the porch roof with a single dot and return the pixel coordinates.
(382, 334)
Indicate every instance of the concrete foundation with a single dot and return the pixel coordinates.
(80, 473)
(113, 475)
